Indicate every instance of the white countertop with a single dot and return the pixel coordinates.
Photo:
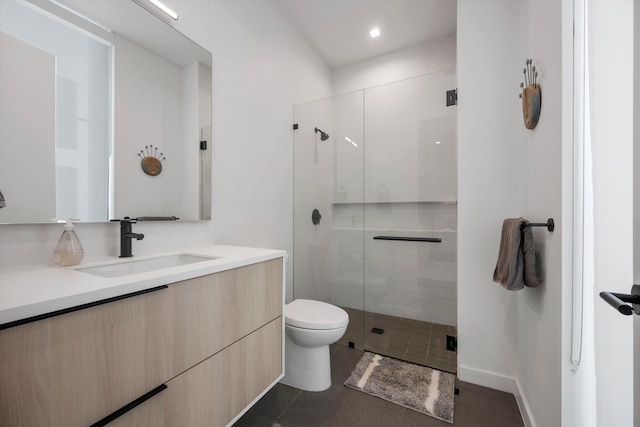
(31, 291)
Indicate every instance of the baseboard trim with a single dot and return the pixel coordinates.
(502, 383)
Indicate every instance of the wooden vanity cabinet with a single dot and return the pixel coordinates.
(215, 341)
(211, 312)
(67, 369)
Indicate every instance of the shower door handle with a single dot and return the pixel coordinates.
(618, 301)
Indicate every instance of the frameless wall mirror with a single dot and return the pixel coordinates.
(87, 86)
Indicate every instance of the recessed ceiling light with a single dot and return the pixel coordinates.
(375, 32)
(165, 9)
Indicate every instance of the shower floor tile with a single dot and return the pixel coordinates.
(415, 341)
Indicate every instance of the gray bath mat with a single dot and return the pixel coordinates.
(422, 389)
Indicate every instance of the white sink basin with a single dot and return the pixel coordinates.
(144, 265)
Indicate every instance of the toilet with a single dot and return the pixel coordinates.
(310, 327)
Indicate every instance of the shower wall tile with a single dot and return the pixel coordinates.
(347, 266)
(411, 147)
(311, 252)
(416, 280)
(316, 163)
(407, 179)
(410, 279)
(311, 280)
(348, 139)
(348, 215)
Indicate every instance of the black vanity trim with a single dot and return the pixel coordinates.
(106, 420)
(78, 307)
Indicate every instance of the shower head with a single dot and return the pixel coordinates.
(323, 136)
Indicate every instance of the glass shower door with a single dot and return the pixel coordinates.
(328, 215)
(410, 201)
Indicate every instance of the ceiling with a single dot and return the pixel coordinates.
(339, 29)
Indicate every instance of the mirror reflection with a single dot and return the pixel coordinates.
(98, 125)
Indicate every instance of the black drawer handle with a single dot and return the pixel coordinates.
(78, 307)
(410, 239)
(106, 420)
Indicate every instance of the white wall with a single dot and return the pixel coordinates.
(489, 186)
(261, 68)
(539, 310)
(509, 340)
(402, 64)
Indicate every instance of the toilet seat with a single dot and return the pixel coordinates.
(309, 314)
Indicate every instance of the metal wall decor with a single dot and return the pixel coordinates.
(151, 163)
(531, 95)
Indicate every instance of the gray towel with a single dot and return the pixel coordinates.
(516, 266)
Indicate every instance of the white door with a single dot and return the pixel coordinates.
(612, 43)
(636, 211)
(636, 208)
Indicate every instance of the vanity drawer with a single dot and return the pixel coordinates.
(211, 312)
(215, 391)
(75, 368)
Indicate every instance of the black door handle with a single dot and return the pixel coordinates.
(618, 301)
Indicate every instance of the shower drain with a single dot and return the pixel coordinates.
(377, 331)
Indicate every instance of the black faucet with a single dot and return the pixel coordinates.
(126, 235)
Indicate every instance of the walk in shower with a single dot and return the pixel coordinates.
(375, 215)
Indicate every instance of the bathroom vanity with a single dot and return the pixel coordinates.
(189, 345)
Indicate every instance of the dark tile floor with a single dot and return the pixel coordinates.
(415, 341)
(339, 406)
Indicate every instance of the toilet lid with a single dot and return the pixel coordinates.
(308, 314)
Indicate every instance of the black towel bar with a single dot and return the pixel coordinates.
(157, 218)
(149, 218)
(549, 224)
(410, 239)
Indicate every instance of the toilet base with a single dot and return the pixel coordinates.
(307, 368)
